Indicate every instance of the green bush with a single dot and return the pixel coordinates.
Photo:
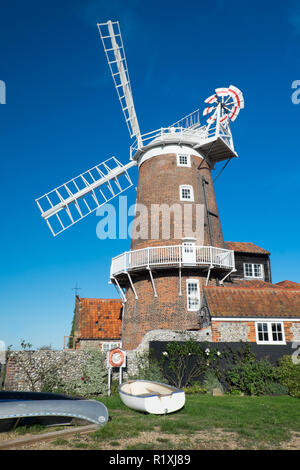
(289, 375)
(211, 381)
(276, 388)
(185, 362)
(195, 389)
(252, 377)
(93, 380)
(148, 368)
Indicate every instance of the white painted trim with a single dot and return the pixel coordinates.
(195, 281)
(165, 149)
(256, 319)
(188, 165)
(186, 186)
(254, 277)
(270, 332)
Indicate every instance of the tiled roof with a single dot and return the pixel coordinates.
(244, 247)
(288, 285)
(247, 303)
(252, 284)
(98, 318)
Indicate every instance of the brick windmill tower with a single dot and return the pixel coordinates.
(177, 243)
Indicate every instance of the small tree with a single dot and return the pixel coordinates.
(41, 376)
(186, 361)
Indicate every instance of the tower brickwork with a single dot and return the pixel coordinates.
(158, 297)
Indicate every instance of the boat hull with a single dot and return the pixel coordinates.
(151, 397)
(21, 408)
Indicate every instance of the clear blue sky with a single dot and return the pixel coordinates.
(62, 117)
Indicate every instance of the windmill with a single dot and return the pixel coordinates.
(74, 200)
(158, 279)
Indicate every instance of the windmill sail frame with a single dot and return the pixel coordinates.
(110, 34)
(72, 201)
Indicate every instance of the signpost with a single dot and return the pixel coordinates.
(116, 358)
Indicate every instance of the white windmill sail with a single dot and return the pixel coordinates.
(110, 34)
(77, 198)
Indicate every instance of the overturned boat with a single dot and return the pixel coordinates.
(151, 397)
(28, 408)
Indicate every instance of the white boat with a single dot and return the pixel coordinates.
(151, 397)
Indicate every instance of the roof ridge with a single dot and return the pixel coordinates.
(254, 288)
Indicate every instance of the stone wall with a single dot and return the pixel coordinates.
(23, 364)
(70, 364)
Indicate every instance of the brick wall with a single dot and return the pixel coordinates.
(159, 182)
(166, 311)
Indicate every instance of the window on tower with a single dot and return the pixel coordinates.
(193, 294)
(183, 159)
(186, 193)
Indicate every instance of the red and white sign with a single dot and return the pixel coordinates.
(116, 358)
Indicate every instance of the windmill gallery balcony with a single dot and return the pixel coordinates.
(172, 256)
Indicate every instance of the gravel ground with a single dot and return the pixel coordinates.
(212, 440)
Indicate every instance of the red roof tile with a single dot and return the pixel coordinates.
(246, 247)
(98, 318)
(247, 303)
(288, 285)
(252, 284)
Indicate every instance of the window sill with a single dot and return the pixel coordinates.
(272, 343)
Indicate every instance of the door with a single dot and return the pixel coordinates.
(189, 253)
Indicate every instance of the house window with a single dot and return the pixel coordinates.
(186, 193)
(183, 159)
(253, 270)
(109, 346)
(270, 332)
(193, 294)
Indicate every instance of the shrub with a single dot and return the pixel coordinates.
(211, 381)
(148, 367)
(289, 375)
(93, 380)
(252, 377)
(276, 388)
(184, 362)
(195, 389)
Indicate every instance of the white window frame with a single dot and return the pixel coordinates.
(269, 331)
(194, 281)
(262, 276)
(186, 186)
(188, 157)
(110, 344)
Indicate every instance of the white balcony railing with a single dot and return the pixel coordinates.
(172, 255)
(195, 134)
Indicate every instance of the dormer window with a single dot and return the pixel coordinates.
(186, 193)
(183, 159)
(254, 271)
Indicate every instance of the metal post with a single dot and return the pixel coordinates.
(180, 291)
(109, 381)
